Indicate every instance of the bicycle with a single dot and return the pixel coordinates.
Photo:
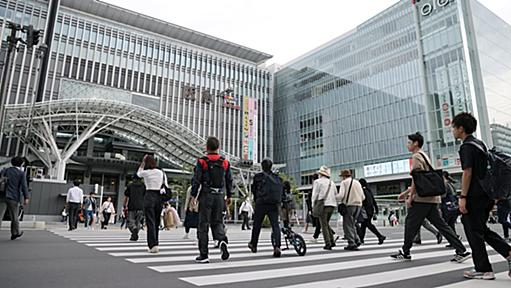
(294, 239)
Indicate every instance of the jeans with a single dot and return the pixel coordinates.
(152, 211)
(478, 233)
(89, 216)
(324, 221)
(74, 209)
(135, 221)
(211, 207)
(261, 210)
(349, 225)
(415, 218)
(12, 207)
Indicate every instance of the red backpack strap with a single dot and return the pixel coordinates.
(204, 162)
(225, 164)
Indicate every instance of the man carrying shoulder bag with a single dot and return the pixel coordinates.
(423, 203)
(351, 195)
(324, 203)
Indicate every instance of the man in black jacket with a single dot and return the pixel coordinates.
(14, 186)
(371, 208)
(266, 204)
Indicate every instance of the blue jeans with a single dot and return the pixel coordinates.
(89, 214)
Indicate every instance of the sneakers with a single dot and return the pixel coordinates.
(401, 256)
(134, 237)
(252, 247)
(14, 237)
(154, 250)
(473, 274)
(202, 259)
(276, 252)
(439, 238)
(381, 240)
(460, 258)
(223, 248)
(327, 247)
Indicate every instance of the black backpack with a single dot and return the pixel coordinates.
(271, 188)
(216, 172)
(496, 181)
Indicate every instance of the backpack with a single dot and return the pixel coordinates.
(3, 185)
(271, 188)
(496, 181)
(216, 170)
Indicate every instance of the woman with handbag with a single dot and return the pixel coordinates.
(155, 181)
(423, 203)
(324, 202)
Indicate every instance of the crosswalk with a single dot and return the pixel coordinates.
(369, 267)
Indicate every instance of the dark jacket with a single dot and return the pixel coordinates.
(369, 203)
(87, 202)
(16, 184)
(201, 177)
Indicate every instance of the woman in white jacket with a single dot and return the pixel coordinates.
(324, 189)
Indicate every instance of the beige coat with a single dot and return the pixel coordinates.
(356, 195)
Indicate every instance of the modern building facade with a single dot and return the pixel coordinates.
(100, 51)
(351, 103)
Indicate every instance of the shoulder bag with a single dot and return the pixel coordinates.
(428, 183)
(319, 204)
(343, 207)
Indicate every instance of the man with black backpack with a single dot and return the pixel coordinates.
(477, 199)
(267, 189)
(213, 174)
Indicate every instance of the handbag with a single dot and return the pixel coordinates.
(343, 208)
(428, 183)
(165, 192)
(319, 205)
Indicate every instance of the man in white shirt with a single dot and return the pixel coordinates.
(74, 202)
(351, 194)
(246, 212)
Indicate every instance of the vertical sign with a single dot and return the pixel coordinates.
(246, 127)
(445, 103)
(255, 131)
(457, 87)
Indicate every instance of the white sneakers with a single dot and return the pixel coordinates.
(154, 250)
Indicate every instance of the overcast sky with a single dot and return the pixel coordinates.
(285, 29)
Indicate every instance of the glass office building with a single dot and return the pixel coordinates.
(351, 103)
(206, 84)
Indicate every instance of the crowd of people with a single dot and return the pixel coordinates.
(433, 204)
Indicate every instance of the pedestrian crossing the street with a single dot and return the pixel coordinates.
(369, 267)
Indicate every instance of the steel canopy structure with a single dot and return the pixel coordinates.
(36, 125)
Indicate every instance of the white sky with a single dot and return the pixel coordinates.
(285, 29)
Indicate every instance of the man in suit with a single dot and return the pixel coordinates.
(14, 184)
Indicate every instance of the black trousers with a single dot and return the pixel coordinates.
(244, 215)
(152, 212)
(261, 210)
(416, 215)
(367, 224)
(478, 233)
(106, 219)
(74, 209)
(211, 207)
(503, 211)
